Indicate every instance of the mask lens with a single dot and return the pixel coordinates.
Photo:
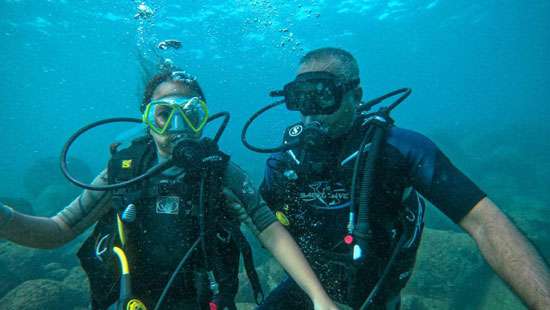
(162, 114)
(195, 113)
(311, 97)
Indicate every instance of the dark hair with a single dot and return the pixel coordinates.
(169, 73)
(345, 57)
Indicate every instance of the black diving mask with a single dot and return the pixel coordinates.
(314, 93)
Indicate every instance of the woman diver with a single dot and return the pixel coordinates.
(144, 229)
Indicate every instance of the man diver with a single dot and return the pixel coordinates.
(149, 226)
(316, 189)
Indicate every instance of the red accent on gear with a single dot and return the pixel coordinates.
(348, 239)
(213, 306)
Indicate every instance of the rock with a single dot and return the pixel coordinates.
(246, 306)
(52, 267)
(57, 274)
(78, 281)
(19, 264)
(53, 198)
(435, 219)
(451, 274)
(39, 294)
(45, 172)
(531, 216)
(414, 302)
(446, 263)
(270, 274)
(499, 296)
(273, 274)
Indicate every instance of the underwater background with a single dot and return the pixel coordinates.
(479, 71)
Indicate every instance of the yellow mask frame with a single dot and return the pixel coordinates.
(176, 105)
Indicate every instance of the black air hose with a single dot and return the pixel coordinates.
(367, 184)
(202, 223)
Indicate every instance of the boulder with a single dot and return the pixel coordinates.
(19, 264)
(53, 198)
(246, 306)
(35, 182)
(40, 294)
(446, 262)
(451, 274)
(78, 281)
(414, 302)
(270, 274)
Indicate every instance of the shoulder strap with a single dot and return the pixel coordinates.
(246, 251)
(127, 164)
(130, 162)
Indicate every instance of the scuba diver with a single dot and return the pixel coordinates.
(166, 237)
(346, 182)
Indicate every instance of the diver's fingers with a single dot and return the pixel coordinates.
(235, 205)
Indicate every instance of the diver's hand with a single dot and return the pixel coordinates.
(324, 303)
(230, 198)
(234, 205)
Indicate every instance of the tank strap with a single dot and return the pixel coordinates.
(248, 260)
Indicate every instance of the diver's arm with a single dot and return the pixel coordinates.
(247, 204)
(283, 247)
(36, 232)
(44, 232)
(509, 253)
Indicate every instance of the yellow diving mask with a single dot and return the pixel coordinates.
(176, 114)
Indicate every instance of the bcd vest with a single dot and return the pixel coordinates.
(159, 216)
(315, 210)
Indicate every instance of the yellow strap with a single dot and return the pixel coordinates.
(122, 259)
(121, 233)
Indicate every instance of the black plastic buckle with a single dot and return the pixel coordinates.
(165, 187)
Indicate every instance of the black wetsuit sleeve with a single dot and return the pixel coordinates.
(270, 188)
(254, 212)
(434, 176)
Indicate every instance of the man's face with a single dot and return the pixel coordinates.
(164, 90)
(339, 122)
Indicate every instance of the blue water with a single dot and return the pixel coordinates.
(479, 71)
(473, 66)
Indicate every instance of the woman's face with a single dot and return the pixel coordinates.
(170, 89)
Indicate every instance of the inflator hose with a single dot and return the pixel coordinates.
(385, 273)
(152, 171)
(366, 190)
(174, 274)
(250, 121)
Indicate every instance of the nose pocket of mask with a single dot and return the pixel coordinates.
(176, 114)
(195, 114)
